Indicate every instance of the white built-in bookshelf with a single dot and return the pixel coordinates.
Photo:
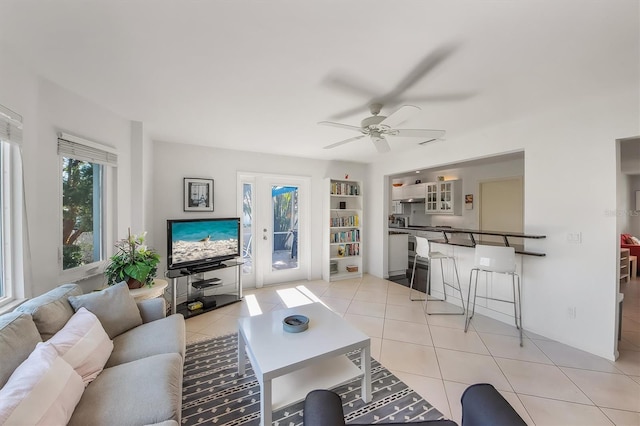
(342, 255)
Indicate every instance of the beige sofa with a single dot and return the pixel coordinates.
(141, 383)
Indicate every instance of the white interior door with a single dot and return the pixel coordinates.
(275, 228)
(502, 207)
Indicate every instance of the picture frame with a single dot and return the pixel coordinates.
(468, 202)
(198, 195)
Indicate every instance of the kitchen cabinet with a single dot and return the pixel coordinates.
(414, 191)
(397, 207)
(444, 197)
(396, 193)
(408, 191)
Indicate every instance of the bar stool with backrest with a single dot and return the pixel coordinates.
(499, 260)
(423, 250)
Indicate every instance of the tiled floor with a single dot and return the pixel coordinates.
(548, 383)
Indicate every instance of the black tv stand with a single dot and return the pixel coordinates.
(206, 268)
(199, 285)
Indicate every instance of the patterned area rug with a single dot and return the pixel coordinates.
(214, 394)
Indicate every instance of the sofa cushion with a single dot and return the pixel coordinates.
(83, 344)
(51, 311)
(166, 335)
(114, 306)
(44, 390)
(141, 392)
(18, 338)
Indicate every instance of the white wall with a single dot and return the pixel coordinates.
(141, 181)
(173, 162)
(47, 109)
(570, 181)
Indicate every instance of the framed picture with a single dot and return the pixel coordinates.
(468, 202)
(198, 195)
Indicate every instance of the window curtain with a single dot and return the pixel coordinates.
(16, 250)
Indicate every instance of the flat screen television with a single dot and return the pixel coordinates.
(201, 244)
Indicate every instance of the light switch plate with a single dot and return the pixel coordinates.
(574, 237)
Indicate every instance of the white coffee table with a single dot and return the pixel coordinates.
(290, 365)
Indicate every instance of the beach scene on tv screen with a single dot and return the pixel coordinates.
(199, 240)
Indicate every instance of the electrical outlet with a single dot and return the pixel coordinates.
(571, 312)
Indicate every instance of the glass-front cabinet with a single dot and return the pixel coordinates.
(431, 200)
(445, 189)
(443, 197)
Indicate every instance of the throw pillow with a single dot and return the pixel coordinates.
(629, 240)
(83, 344)
(635, 240)
(114, 306)
(44, 390)
(18, 338)
(51, 311)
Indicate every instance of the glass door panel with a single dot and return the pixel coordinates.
(284, 204)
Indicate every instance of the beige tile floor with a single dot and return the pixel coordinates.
(547, 382)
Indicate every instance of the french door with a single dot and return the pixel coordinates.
(274, 215)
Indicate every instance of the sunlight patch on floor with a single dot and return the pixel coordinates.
(292, 297)
(252, 305)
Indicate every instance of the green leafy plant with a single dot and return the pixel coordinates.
(133, 259)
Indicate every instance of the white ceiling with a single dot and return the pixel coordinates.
(252, 75)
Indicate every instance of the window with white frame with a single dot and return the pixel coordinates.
(84, 169)
(11, 192)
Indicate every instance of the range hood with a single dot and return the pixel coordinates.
(412, 200)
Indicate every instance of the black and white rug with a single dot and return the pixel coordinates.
(213, 393)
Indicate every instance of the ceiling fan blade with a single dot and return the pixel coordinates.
(427, 64)
(346, 83)
(400, 115)
(381, 144)
(418, 133)
(333, 145)
(349, 112)
(340, 125)
(440, 98)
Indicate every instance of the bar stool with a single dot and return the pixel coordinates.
(499, 260)
(423, 250)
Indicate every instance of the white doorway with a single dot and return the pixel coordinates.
(275, 216)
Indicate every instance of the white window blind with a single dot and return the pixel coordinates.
(10, 126)
(82, 149)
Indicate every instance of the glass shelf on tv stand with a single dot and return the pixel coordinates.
(220, 299)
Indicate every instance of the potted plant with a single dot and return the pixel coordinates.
(133, 262)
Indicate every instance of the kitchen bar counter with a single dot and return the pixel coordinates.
(466, 237)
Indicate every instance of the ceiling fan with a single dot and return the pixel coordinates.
(379, 126)
(396, 96)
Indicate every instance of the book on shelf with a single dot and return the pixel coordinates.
(345, 236)
(343, 221)
(344, 188)
(349, 249)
